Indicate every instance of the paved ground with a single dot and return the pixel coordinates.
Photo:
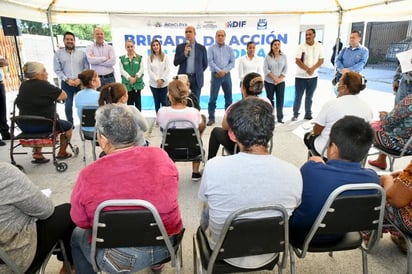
(288, 145)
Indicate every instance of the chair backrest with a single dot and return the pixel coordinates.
(182, 144)
(39, 123)
(244, 236)
(88, 121)
(137, 225)
(345, 210)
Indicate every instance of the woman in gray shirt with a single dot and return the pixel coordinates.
(275, 67)
(29, 224)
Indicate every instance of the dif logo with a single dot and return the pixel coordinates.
(235, 24)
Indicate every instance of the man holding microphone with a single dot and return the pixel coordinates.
(191, 57)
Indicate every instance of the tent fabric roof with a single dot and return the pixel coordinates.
(98, 11)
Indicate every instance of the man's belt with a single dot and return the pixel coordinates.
(107, 75)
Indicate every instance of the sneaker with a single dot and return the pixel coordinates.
(307, 117)
(210, 122)
(5, 135)
(2, 143)
(196, 176)
(294, 118)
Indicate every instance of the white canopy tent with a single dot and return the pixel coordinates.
(98, 11)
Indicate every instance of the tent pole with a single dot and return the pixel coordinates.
(50, 24)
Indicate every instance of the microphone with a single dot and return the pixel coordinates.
(188, 45)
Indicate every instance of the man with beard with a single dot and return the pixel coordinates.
(68, 63)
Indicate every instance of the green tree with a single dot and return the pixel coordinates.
(82, 31)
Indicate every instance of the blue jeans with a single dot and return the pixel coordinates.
(159, 97)
(68, 103)
(194, 88)
(113, 260)
(302, 84)
(215, 83)
(279, 91)
(106, 80)
(405, 88)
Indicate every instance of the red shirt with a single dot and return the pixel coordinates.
(145, 173)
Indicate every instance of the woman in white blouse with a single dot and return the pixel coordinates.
(158, 68)
(275, 67)
(249, 63)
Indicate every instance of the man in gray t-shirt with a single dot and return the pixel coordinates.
(250, 178)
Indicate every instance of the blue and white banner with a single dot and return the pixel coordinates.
(239, 31)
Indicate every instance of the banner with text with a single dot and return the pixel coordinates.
(239, 31)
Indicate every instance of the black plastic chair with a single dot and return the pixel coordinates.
(132, 228)
(242, 236)
(88, 120)
(346, 214)
(183, 144)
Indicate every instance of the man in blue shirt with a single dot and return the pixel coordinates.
(350, 140)
(353, 57)
(221, 61)
(68, 62)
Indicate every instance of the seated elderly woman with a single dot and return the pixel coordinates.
(114, 93)
(126, 172)
(393, 130)
(37, 97)
(178, 93)
(347, 103)
(252, 85)
(398, 188)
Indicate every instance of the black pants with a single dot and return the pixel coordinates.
(218, 137)
(135, 99)
(4, 127)
(57, 227)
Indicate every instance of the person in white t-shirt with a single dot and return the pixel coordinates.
(347, 103)
(309, 57)
(178, 92)
(250, 178)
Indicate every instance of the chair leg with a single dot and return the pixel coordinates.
(364, 262)
(409, 253)
(391, 163)
(292, 260)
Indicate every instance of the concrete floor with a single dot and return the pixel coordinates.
(288, 145)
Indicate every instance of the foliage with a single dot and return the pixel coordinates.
(84, 31)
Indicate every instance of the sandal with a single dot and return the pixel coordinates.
(64, 156)
(40, 160)
(377, 164)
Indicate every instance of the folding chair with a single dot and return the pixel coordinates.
(87, 129)
(408, 240)
(132, 228)
(346, 214)
(242, 236)
(393, 154)
(5, 258)
(45, 136)
(183, 144)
